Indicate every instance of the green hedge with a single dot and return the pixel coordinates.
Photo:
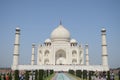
(90, 74)
(72, 72)
(84, 74)
(79, 73)
(36, 75)
(51, 72)
(27, 75)
(16, 73)
(10, 76)
(108, 75)
(41, 74)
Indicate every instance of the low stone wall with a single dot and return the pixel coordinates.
(61, 67)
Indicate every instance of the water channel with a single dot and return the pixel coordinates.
(63, 76)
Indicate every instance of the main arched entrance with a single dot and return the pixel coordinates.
(60, 57)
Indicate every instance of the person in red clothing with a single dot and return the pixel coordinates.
(7, 77)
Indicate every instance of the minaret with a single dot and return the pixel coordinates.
(16, 49)
(33, 55)
(60, 22)
(87, 56)
(104, 48)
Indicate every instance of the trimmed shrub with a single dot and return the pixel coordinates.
(10, 76)
(84, 74)
(27, 75)
(16, 77)
(4, 76)
(108, 75)
(41, 74)
(79, 73)
(90, 74)
(51, 72)
(47, 73)
(72, 72)
(36, 75)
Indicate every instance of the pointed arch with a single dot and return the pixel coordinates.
(60, 57)
(74, 61)
(46, 61)
(46, 53)
(74, 53)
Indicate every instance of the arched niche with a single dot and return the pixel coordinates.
(74, 53)
(74, 61)
(60, 57)
(46, 61)
(46, 53)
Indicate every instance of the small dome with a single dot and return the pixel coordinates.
(33, 44)
(60, 33)
(86, 45)
(103, 30)
(73, 41)
(47, 41)
(17, 29)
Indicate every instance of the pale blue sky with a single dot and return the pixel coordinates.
(38, 18)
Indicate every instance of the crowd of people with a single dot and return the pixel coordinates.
(104, 76)
(97, 76)
(10, 76)
(5, 76)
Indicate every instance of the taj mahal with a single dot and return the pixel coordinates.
(60, 52)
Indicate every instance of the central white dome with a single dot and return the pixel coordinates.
(60, 33)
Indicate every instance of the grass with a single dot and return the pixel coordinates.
(116, 77)
(77, 78)
(49, 77)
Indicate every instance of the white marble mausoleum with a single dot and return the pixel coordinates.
(60, 52)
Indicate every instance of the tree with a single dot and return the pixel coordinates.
(84, 74)
(51, 72)
(36, 75)
(27, 75)
(10, 76)
(46, 74)
(41, 74)
(108, 75)
(72, 72)
(90, 74)
(79, 73)
(16, 72)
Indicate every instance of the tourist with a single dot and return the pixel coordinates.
(7, 77)
(21, 77)
(112, 76)
(3, 77)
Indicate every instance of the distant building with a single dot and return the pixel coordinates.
(5, 70)
(60, 52)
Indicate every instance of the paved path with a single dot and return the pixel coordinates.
(63, 76)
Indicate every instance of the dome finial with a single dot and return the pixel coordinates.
(60, 22)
